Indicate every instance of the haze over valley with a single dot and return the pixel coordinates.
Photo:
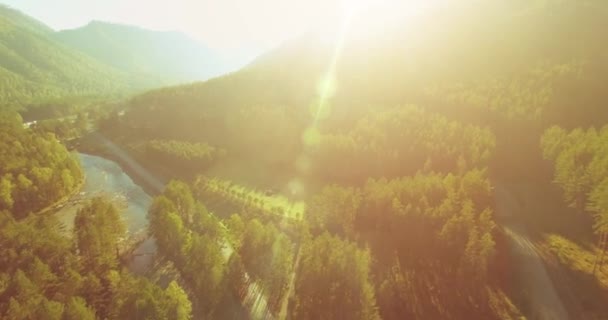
(287, 160)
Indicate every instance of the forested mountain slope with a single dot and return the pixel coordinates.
(39, 66)
(167, 57)
(34, 67)
(500, 66)
(23, 21)
(37, 170)
(395, 139)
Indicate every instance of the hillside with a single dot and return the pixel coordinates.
(34, 67)
(25, 22)
(446, 62)
(167, 57)
(397, 140)
(39, 65)
(446, 164)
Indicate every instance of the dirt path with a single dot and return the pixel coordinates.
(290, 288)
(534, 282)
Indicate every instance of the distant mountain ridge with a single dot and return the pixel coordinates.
(170, 55)
(410, 63)
(34, 67)
(23, 21)
(38, 64)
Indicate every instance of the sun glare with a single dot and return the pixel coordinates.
(387, 9)
(354, 6)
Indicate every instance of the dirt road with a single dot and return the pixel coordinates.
(534, 283)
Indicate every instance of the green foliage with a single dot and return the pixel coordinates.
(236, 276)
(236, 225)
(452, 68)
(335, 209)
(99, 228)
(140, 299)
(34, 67)
(183, 155)
(37, 170)
(179, 307)
(43, 275)
(402, 141)
(426, 234)
(267, 255)
(253, 201)
(77, 309)
(189, 236)
(163, 57)
(529, 95)
(426, 231)
(334, 282)
(581, 164)
(211, 257)
(580, 159)
(64, 129)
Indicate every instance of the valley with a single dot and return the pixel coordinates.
(451, 165)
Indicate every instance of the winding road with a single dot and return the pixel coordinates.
(255, 301)
(534, 282)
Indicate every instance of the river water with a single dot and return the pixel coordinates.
(106, 178)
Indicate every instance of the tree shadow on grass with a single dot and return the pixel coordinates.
(571, 267)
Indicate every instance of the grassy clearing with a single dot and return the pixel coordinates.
(571, 267)
(564, 239)
(577, 258)
(502, 306)
(272, 203)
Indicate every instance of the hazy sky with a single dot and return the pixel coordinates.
(221, 24)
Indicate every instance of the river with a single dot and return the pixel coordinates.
(106, 178)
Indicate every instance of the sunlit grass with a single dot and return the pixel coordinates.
(272, 203)
(571, 265)
(502, 306)
(577, 258)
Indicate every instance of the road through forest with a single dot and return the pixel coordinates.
(255, 300)
(533, 281)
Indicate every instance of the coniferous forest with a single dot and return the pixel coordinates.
(451, 165)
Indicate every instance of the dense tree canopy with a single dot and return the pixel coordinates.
(401, 141)
(424, 231)
(99, 229)
(391, 151)
(580, 159)
(46, 275)
(37, 170)
(164, 57)
(334, 281)
(183, 155)
(35, 68)
(267, 255)
(192, 239)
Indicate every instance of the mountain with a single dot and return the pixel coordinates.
(379, 118)
(38, 65)
(450, 53)
(170, 57)
(34, 67)
(445, 61)
(22, 21)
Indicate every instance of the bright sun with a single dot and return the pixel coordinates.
(402, 8)
(353, 6)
